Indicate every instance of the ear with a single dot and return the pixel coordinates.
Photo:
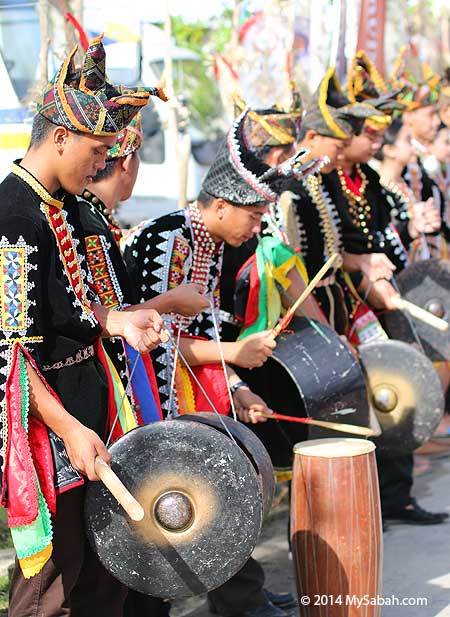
(387, 150)
(407, 117)
(219, 206)
(61, 136)
(125, 162)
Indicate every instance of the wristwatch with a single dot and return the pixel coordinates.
(236, 386)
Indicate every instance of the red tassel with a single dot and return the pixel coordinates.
(79, 28)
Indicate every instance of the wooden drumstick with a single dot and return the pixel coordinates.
(333, 426)
(305, 293)
(419, 313)
(112, 482)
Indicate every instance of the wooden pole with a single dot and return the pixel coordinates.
(115, 486)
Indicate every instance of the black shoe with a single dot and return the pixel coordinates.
(416, 515)
(284, 600)
(265, 610)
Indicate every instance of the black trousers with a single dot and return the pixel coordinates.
(395, 475)
(139, 605)
(243, 591)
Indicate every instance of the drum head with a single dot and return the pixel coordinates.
(249, 443)
(405, 393)
(427, 284)
(202, 503)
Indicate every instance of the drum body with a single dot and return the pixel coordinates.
(336, 529)
(311, 373)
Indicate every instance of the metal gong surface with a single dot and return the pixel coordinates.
(202, 503)
(427, 284)
(405, 393)
(250, 444)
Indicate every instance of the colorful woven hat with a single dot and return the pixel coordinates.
(274, 126)
(365, 84)
(86, 102)
(415, 94)
(128, 140)
(239, 177)
(332, 114)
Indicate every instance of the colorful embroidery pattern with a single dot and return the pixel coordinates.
(100, 273)
(67, 252)
(13, 288)
(180, 252)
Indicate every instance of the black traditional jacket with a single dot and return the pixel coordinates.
(166, 252)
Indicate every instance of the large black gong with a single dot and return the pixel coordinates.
(405, 393)
(249, 443)
(311, 373)
(202, 503)
(427, 284)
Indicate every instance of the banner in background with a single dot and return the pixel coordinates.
(371, 31)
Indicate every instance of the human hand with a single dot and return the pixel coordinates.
(188, 299)
(382, 295)
(143, 329)
(249, 406)
(254, 350)
(83, 445)
(426, 217)
(376, 266)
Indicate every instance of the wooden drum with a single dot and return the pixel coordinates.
(336, 528)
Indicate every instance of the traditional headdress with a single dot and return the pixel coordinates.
(332, 114)
(365, 84)
(415, 93)
(238, 176)
(274, 126)
(84, 101)
(128, 140)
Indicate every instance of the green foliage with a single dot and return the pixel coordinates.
(4, 592)
(5, 536)
(197, 81)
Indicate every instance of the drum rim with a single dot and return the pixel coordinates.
(315, 447)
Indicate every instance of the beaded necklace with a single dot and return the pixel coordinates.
(204, 247)
(400, 190)
(413, 177)
(331, 236)
(358, 206)
(113, 223)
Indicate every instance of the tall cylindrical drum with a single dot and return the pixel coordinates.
(336, 528)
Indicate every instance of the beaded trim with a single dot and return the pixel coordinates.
(358, 206)
(325, 208)
(37, 187)
(112, 222)
(67, 252)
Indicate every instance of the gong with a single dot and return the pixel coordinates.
(203, 510)
(427, 284)
(405, 393)
(311, 373)
(249, 443)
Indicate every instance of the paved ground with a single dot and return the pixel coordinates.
(416, 559)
